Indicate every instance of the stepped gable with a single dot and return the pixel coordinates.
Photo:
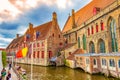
(43, 29)
(86, 13)
(78, 51)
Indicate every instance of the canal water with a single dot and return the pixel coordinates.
(60, 73)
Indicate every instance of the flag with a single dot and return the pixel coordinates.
(22, 53)
(19, 54)
(30, 49)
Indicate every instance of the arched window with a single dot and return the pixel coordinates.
(101, 46)
(113, 36)
(102, 25)
(91, 47)
(84, 42)
(94, 61)
(96, 27)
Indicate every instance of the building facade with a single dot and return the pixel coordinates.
(43, 42)
(96, 27)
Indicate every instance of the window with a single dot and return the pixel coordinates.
(34, 54)
(119, 64)
(104, 62)
(38, 54)
(38, 45)
(84, 42)
(29, 55)
(96, 27)
(95, 63)
(50, 54)
(42, 54)
(42, 44)
(92, 30)
(88, 31)
(59, 35)
(102, 26)
(112, 63)
(53, 34)
(60, 43)
(87, 61)
(34, 45)
(69, 53)
(37, 34)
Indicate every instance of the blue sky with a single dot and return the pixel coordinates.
(16, 14)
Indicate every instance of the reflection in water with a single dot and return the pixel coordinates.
(60, 73)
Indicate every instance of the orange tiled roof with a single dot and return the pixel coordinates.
(43, 29)
(86, 13)
(78, 51)
(14, 42)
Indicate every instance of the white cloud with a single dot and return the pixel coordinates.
(4, 41)
(11, 9)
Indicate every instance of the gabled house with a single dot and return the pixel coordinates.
(44, 42)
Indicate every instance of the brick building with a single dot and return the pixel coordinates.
(44, 42)
(96, 27)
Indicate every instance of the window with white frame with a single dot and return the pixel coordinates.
(112, 63)
(104, 62)
(87, 61)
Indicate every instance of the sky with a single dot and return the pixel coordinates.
(15, 15)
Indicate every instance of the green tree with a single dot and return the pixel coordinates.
(4, 62)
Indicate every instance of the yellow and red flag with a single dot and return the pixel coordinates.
(22, 53)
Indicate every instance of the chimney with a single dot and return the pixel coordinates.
(73, 18)
(30, 26)
(54, 19)
(17, 35)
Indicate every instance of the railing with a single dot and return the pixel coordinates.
(20, 76)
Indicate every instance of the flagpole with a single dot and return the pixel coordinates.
(32, 62)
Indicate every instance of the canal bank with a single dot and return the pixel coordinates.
(61, 73)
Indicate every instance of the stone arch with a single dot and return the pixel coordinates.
(101, 46)
(91, 47)
(112, 39)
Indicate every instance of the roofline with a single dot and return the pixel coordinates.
(66, 23)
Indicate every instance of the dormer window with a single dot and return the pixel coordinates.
(37, 34)
(96, 10)
(27, 36)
